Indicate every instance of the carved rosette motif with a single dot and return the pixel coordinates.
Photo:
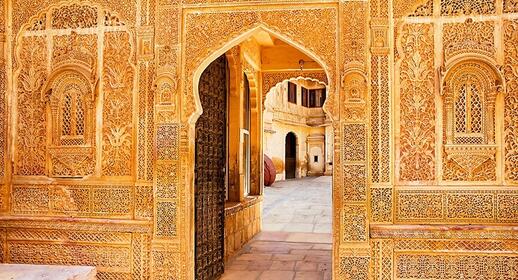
(417, 119)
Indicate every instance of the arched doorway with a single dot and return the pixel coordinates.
(210, 171)
(243, 206)
(290, 156)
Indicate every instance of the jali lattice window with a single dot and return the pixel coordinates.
(72, 117)
(71, 101)
(469, 112)
(470, 93)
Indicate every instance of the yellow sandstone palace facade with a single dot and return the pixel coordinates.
(100, 101)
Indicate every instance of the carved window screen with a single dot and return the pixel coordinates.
(72, 117)
(71, 100)
(469, 113)
(470, 93)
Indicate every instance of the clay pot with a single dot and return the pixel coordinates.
(269, 171)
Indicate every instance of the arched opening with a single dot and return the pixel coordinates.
(290, 155)
(229, 190)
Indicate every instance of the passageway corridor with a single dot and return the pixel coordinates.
(296, 240)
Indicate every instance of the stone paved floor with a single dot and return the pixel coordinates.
(301, 205)
(282, 256)
(296, 241)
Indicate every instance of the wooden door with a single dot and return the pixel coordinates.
(210, 171)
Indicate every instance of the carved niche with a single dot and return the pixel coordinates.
(166, 87)
(354, 90)
(469, 93)
(69, 95)
(167, 97)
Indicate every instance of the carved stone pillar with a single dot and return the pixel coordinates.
(490, 123)
(448, 107)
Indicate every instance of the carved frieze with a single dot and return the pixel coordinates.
(454, 207)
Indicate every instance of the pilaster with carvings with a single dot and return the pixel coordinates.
(351, 172)
(381, 116)
(171, 243)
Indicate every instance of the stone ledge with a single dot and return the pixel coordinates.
(232, 208)
(444, 231)
(46, 272)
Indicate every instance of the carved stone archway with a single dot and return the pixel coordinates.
(193, 71)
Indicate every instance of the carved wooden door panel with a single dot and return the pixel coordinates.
(210, 163)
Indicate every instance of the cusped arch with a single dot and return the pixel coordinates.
(224, 47)
(277, 86)
(485, 68)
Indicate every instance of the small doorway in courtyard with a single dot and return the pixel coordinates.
(244, 230)
(290, 157)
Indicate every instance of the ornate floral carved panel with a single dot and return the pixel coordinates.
(417, 117)
(31, 135)
(354, 32)
(117, 112)
(68, 91)
(459, 38)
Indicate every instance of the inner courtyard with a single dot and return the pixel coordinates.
(300, 205)
(233, 139)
